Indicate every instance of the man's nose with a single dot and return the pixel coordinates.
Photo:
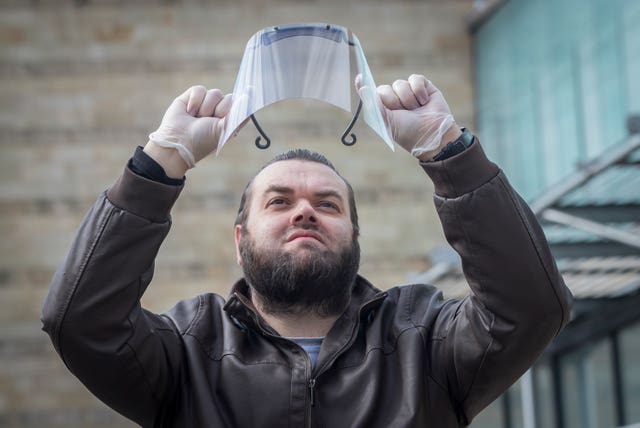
(303, 213)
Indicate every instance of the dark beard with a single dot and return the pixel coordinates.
(288, 284)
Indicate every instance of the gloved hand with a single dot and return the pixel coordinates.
(417, 115)
(192, 124)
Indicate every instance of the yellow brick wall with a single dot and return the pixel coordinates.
(84, 82)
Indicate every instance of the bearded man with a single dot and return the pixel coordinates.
(303, 340)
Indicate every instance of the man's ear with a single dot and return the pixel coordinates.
(238, 234)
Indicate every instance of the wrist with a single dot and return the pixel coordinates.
(450, 135)
(168, 158)
(455, 147)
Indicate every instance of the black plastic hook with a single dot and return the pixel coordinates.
(343, 138)
(350, 127)
(262, 135)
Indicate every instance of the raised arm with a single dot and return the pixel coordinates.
(127, 356)
(518, 303)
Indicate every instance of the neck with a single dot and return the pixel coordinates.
(298, 324)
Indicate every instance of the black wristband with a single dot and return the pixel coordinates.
(456, 146)
(144, 165)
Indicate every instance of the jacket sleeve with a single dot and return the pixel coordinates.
(126, 356)
(518, 302)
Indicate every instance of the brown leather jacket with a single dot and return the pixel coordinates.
(400, 358)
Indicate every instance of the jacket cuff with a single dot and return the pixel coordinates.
(143, 197)
(462, 173)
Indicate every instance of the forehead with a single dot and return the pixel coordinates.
(299, 175)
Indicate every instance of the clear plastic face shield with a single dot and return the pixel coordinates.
(315, 61)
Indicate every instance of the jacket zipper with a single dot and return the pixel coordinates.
(312, 385)
(312, 381)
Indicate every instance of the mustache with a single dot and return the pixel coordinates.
(304, 226)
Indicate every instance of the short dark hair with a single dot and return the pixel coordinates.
(306, 155)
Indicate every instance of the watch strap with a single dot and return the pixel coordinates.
(456, 146)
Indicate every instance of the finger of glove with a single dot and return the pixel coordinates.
(204, 134)
(210, 101)
(389, 98)
(418, 84)
(363, 92)
(179, 104)
(224, 106)
(431, 88)
(405, 94)
(196, 96)
(358, 82)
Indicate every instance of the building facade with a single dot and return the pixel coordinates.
(557, 106)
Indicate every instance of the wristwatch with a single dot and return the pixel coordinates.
(456, 146)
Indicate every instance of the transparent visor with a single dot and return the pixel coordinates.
(315, 61)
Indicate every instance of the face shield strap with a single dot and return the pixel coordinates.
(343, 138)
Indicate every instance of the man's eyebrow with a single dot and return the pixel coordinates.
(326, 193)
(329, 193)
(274, 188)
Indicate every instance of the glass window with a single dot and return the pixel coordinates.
(587, 387)
(631, 31)
(543, 386)
(491, 417)
(559, 78)
(515, 405)
(629, 340)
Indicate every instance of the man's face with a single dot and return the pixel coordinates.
(297, 246)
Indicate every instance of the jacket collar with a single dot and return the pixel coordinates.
(241, 309)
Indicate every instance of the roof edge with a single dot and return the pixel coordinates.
(579, 177)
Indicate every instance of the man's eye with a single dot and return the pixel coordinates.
(277, 201)
(328, 204)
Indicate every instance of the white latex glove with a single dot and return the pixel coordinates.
(417, 115)
(193, 123)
